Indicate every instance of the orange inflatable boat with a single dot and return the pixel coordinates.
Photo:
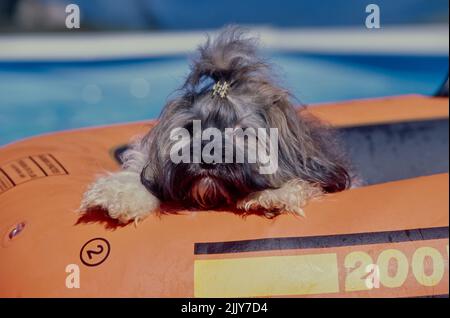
(388, 238)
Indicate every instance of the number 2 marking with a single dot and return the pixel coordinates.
(90, 252)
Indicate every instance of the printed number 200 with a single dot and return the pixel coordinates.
(356, 263)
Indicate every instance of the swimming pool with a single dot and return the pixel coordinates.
(41, 97)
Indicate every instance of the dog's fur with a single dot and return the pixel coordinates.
(308, 163)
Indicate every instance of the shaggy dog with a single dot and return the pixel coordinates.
(229, 86)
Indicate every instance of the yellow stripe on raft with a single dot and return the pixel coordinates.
(263, 276)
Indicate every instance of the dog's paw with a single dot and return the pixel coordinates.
(122, 195)
(270, 204)
(290, 198)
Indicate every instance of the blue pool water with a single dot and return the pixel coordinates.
(43, 97)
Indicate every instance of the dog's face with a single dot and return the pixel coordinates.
(205, 183)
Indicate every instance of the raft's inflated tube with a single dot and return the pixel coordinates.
(388, 240)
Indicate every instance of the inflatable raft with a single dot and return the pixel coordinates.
(386, 239)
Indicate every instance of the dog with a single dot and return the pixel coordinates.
(229, 86)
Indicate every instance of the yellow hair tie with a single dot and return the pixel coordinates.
(221, 89)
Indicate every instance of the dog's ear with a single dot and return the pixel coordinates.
(148, 180)
(307, 148)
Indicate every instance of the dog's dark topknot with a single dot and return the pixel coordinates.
(231, 56)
